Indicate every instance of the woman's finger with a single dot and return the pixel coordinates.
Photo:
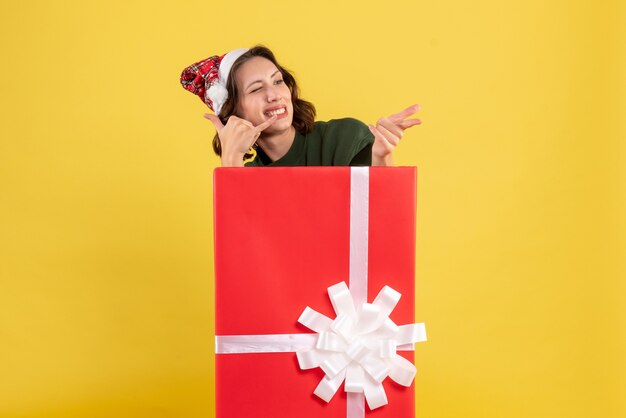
(241, 123)
(262, 126)
(397, 117)
(391, 127)
(389, 136)
(216, 122)
(406, 124)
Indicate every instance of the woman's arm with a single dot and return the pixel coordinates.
(388, 132)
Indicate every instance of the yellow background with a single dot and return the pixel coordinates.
(106, 195)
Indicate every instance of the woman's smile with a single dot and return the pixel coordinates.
(280, 112)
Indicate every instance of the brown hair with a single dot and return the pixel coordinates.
(303, 111)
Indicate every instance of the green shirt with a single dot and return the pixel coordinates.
(336, 142)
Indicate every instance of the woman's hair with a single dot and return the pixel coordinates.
(303, 111)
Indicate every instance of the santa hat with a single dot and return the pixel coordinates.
(207, 78)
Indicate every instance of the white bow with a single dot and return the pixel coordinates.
(359, 345)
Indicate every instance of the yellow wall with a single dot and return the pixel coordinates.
(105, 195)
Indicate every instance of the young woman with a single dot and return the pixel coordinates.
(257, 106)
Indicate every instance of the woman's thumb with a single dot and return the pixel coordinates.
(215, 121)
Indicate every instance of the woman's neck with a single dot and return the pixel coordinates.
(277, 145)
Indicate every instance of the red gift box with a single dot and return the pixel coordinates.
(282, 237)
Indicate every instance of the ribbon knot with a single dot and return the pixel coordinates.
(359, 346)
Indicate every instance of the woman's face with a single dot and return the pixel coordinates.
(262, 93)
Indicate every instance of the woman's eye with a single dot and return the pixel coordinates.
(255, 90)
(279, 81)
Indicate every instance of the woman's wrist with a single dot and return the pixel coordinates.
(232, 160)
(384, 161)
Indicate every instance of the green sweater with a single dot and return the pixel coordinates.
(336, 142)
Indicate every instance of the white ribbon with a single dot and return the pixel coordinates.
(360, 345)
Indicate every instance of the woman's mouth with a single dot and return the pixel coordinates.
(279, 112)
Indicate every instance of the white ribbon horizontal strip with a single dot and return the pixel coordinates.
(264, 343)
(276, 343)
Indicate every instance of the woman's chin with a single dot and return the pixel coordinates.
(279, 126)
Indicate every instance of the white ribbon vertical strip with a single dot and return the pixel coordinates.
(355, 405)
(359, 229)
(359, 223)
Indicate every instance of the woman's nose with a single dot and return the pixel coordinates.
(272, 94)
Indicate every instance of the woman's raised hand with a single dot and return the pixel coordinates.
(237, 137)
(388, 132)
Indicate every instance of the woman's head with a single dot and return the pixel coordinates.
(256, 85)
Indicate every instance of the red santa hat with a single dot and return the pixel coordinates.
(207, 78)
